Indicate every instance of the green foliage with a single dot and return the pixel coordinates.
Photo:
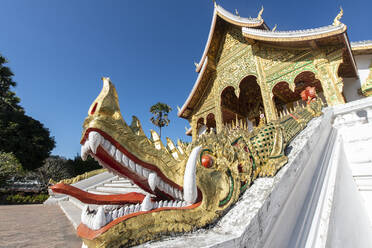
(26, 137)
(58, 168)
(28, 199)
(78, 166)
(20, 134)
(160, 112)
(9, 167)
(8, 99)
(54, 167)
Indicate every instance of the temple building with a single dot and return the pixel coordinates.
(250, 72)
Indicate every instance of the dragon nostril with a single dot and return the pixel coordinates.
(93, 109)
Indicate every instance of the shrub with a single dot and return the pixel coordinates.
(29, 199)
(9, 167)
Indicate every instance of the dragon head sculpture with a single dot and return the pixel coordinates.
(187, 187)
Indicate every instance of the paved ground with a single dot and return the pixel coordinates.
(35, 226)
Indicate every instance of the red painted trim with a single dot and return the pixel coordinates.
(90, 198)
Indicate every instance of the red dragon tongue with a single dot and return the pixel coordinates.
(90, 198)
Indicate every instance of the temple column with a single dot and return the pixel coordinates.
(267, 96)
(327, 73)
(218, 108)
(194, 127)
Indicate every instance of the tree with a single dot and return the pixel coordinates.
(54, 167)
(20, 134)
(160, 112)
(9, 167)
(8, 100)
(79, 166)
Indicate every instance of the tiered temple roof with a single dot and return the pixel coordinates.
(295, 35)
(362, 47)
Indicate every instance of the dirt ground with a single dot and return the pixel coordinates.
(36, 226)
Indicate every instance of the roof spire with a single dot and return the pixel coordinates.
(337, 19)
(236, 12)
(196, 64)
(274, 28)
(214, 3)
(259, 17)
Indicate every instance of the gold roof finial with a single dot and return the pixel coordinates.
(259, 17)
(337, 19)
(178, 108)
(196, 64)
(274, 28)
(214, 3)
(236, 12)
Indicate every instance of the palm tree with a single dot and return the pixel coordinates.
(160, 112)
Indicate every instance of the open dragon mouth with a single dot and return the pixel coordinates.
(163, 193)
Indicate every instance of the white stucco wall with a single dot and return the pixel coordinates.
(348, 225)
(351, 85)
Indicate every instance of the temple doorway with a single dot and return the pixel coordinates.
(247, 107)
(284, 98)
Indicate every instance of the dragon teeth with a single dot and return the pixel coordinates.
(137, 208)
(146, 204)
(145, 172)
(121, 212)
(132, 165)
(118, 155)
(90, 148)
(125, 160)
(139, 169)
(85, 149)
(96, 219)
(190, 192)
(84, 215)
(153, 181)
(126, 210)
(94, 140)
(99, 219)
(112, 151)
(106, 145)
(114, 214)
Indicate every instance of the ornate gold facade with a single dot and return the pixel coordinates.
(238, 58)
(279, 63)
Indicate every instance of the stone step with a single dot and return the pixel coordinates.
(122, 181)
(365, 188)
(76, 202)
(120, 185)
(72, 212)
(94, 191)
(363, 181)
(361, 170)
(118, 190)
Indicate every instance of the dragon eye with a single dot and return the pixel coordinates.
(206, 161)
(206, 158)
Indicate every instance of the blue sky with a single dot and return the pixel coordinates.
(59, 50)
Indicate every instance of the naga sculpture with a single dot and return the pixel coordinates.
(188, 187)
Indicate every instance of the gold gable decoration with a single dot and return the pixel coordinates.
(337, 19)
(259, 16)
